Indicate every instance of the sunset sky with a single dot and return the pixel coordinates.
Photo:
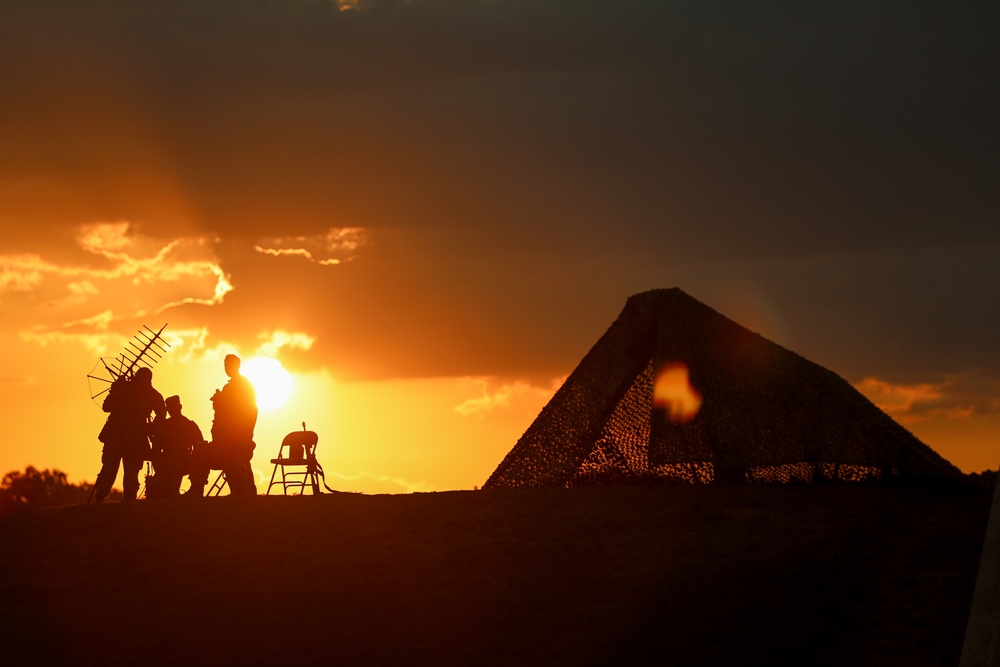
(429, 210)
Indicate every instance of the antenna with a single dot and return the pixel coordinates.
(143, 351)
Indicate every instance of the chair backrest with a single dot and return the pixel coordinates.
(299, 445)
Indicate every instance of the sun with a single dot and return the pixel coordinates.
(273, 383)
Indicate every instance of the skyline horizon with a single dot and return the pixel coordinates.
(262, 471)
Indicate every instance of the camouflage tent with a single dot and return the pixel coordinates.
(676, 391)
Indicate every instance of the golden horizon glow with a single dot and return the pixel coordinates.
(672, 391)
(273, 383)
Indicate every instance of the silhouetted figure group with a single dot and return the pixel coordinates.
(138, 416)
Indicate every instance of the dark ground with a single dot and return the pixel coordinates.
(705, 575)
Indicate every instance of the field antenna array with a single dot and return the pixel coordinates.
(145, 349)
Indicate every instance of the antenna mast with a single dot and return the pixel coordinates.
(144, 349)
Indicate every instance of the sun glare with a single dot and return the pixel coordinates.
(273, 383)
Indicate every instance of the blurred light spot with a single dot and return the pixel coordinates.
(672, 391)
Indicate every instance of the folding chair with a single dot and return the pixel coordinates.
(218, 485)
(297, 460)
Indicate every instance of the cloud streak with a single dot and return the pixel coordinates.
(495, 397)
(272, 342)
(957, 397)
(337, 245)
(134, 275)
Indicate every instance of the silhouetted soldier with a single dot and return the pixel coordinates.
(232, 443)
(174, 441)
(125, 435)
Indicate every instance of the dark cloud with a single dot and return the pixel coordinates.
(900, 313)
(524, 166)
(782, 125)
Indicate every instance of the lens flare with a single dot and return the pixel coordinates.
(672, 391)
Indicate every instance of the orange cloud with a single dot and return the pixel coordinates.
(187, 345)
(273, 342)
(950, 413)
(91, 332)
(21, 273)
(359, 5)
(500, 398)
(336, 246)
(959, 396)
(136, 275)
(898, 399)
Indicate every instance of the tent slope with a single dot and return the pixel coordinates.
(766, 414)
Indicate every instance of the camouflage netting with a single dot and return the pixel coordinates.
(768, 415)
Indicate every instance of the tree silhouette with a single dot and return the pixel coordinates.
(35, 489)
